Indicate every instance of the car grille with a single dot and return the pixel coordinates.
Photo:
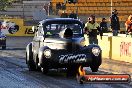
(72, 47)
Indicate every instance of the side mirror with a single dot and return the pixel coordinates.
(34, 29)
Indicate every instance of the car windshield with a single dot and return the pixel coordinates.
(55, 29)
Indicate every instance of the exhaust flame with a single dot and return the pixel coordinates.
(81, 71)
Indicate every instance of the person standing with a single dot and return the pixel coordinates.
(128, 25)
(64, 15)
(73, 15)
(45, 7)
(50, 8)
(63, 7)
(103, 26)
(58, 7)
(91, 29)
(115, 25)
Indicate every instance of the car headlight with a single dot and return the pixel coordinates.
(96, 51)
(47, 53)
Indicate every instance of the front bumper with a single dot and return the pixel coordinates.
(64, 59)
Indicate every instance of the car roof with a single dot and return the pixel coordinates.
(61, 20)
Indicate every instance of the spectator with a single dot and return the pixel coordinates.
(115, 25)
(50, 8)
(45, 7)
(63, 7)
(73, 15)
(64, 15)
(103, 26)
(58, 7)
(128, 25)
(91, 28)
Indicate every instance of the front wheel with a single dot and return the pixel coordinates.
(94, 68)
(96, 62)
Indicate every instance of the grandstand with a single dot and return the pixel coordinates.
(100, 8)
(84, 8)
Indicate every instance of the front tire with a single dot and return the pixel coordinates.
(96, 62)
(44, 70)
(94, 68)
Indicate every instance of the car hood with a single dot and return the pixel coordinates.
(62, 43)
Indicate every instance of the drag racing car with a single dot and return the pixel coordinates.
(58, 44)
(2, 40)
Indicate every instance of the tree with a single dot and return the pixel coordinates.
(5, 3)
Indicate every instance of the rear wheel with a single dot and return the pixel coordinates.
(29, 58)
(38, 68)
(31, 65)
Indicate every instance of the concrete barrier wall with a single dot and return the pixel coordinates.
(104, 43)
(121, 49)
(116, 47)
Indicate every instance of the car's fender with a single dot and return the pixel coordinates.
(88, 49)
(40, 54)
(99, 57)
(29, 49)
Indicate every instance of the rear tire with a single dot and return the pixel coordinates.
(29, 59)
(38, 68)
(31, 65)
